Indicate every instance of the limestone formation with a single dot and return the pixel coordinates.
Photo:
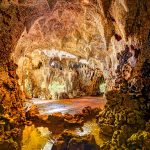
(41, 76)
(12, 114)
(113, 36)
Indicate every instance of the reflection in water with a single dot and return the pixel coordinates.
(71, 106)
(90, 127)
(36, 138)
(40, 138)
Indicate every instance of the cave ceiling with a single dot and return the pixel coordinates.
(71, 26)
(89, 29)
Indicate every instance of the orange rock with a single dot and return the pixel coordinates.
(68, 116)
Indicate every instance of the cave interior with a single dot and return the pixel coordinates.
(74, 75)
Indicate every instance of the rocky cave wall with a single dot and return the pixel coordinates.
(122, 43)
(44, 77)
(14, 17)
(96, 31)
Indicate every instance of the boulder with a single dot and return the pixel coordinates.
(69, 141)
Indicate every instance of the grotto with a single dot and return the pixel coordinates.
(74, 75)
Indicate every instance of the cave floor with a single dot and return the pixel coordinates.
(71, 106)
(40, 136)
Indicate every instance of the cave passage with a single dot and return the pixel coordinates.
(59, 87)
(74, 74)
(53, 74)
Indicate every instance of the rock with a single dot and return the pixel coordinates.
(56, 117)
(70, 95)
(87, 111)
(106, 129)
(135, 86)
(123, 119)
(74, 122)
(68, 116)
(43, 118)
(140, 140)
(83, 144)
(126, 71)
(113, 97)
(32, 112)
(28, 123)
(8, 144)
(63, 95)
(145, 71)
(148, 126)
(11, 107)
(1, 109)
(15, 134)
(117, 37)
(106, 145)
(60, 145)
(131, 118)
(70, 141)
(85, 38)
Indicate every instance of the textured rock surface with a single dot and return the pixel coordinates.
(95, 30)
(65, 120)
(114, 34)
(41, 76)
(72, 142)
(123, 119)
(11, 107)
(127, 110)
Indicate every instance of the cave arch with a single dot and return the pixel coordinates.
(88, 30)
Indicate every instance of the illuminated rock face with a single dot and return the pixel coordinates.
(11, 96)
(52, 77)
(11, 106)
(94, 30)
(113, 34)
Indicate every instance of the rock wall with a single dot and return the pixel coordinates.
(14, 17)
(12, 114)
(126, 116)
(51, 78)
(117, 35)
(125, 120)
(95, 30)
